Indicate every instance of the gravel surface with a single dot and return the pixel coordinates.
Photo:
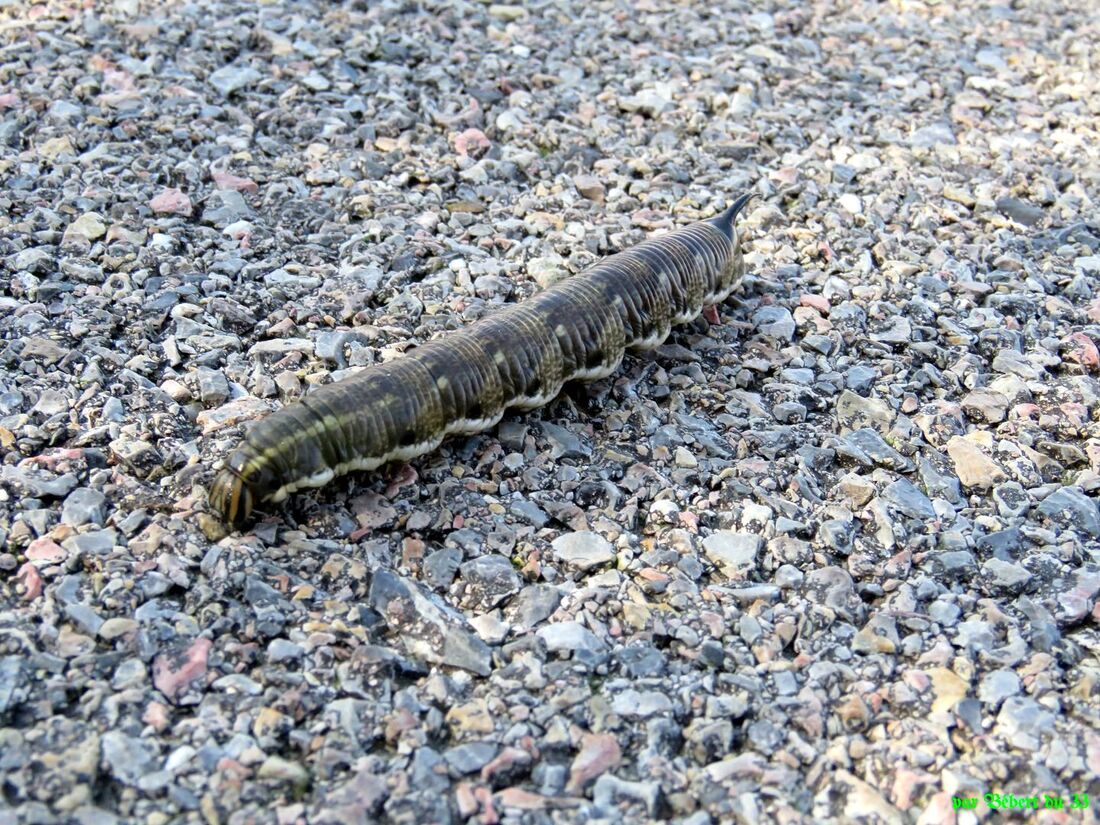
(833, 559)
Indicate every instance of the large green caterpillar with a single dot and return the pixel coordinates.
(462, 383)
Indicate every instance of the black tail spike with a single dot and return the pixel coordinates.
(725, 220)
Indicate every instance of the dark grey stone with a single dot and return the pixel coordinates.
(84, 506)
(534, 605)
(1069, 508)
(489, 580)
(427, 627)
(904, 497)
(1020, 211)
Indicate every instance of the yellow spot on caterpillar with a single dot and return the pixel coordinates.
(500, 357)
(559, 330)
(234, 500)
(442, 382)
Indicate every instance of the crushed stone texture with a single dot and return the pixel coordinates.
(833, 558)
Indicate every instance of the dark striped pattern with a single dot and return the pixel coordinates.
(519, 357)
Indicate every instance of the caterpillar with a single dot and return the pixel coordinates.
(462, 383)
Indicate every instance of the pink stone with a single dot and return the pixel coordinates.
(1082, 350)
(904, 782)
(716, 625)
(9, 100)
(372, 511)
(1025, 411)
(57, 459)
(465, 799)
(471, 141)
(938, 810)
(488, 812)
(917, 679)
(290, 814)
(46, 550)
(156, 716)
(172, 672)
(172, 202)
(224, 180)
(180, 91)
(809, 714)
(1076, 601)
(28, 574)
(504, 761)
(787, 176)
(1076, 413)
(118, 79)
(599, 753)
(818, 302)
(650, 219)
(404, 476)
(689, 520)
(240, 231)
(519, 798)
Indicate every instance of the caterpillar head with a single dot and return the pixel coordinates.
(241, 484)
